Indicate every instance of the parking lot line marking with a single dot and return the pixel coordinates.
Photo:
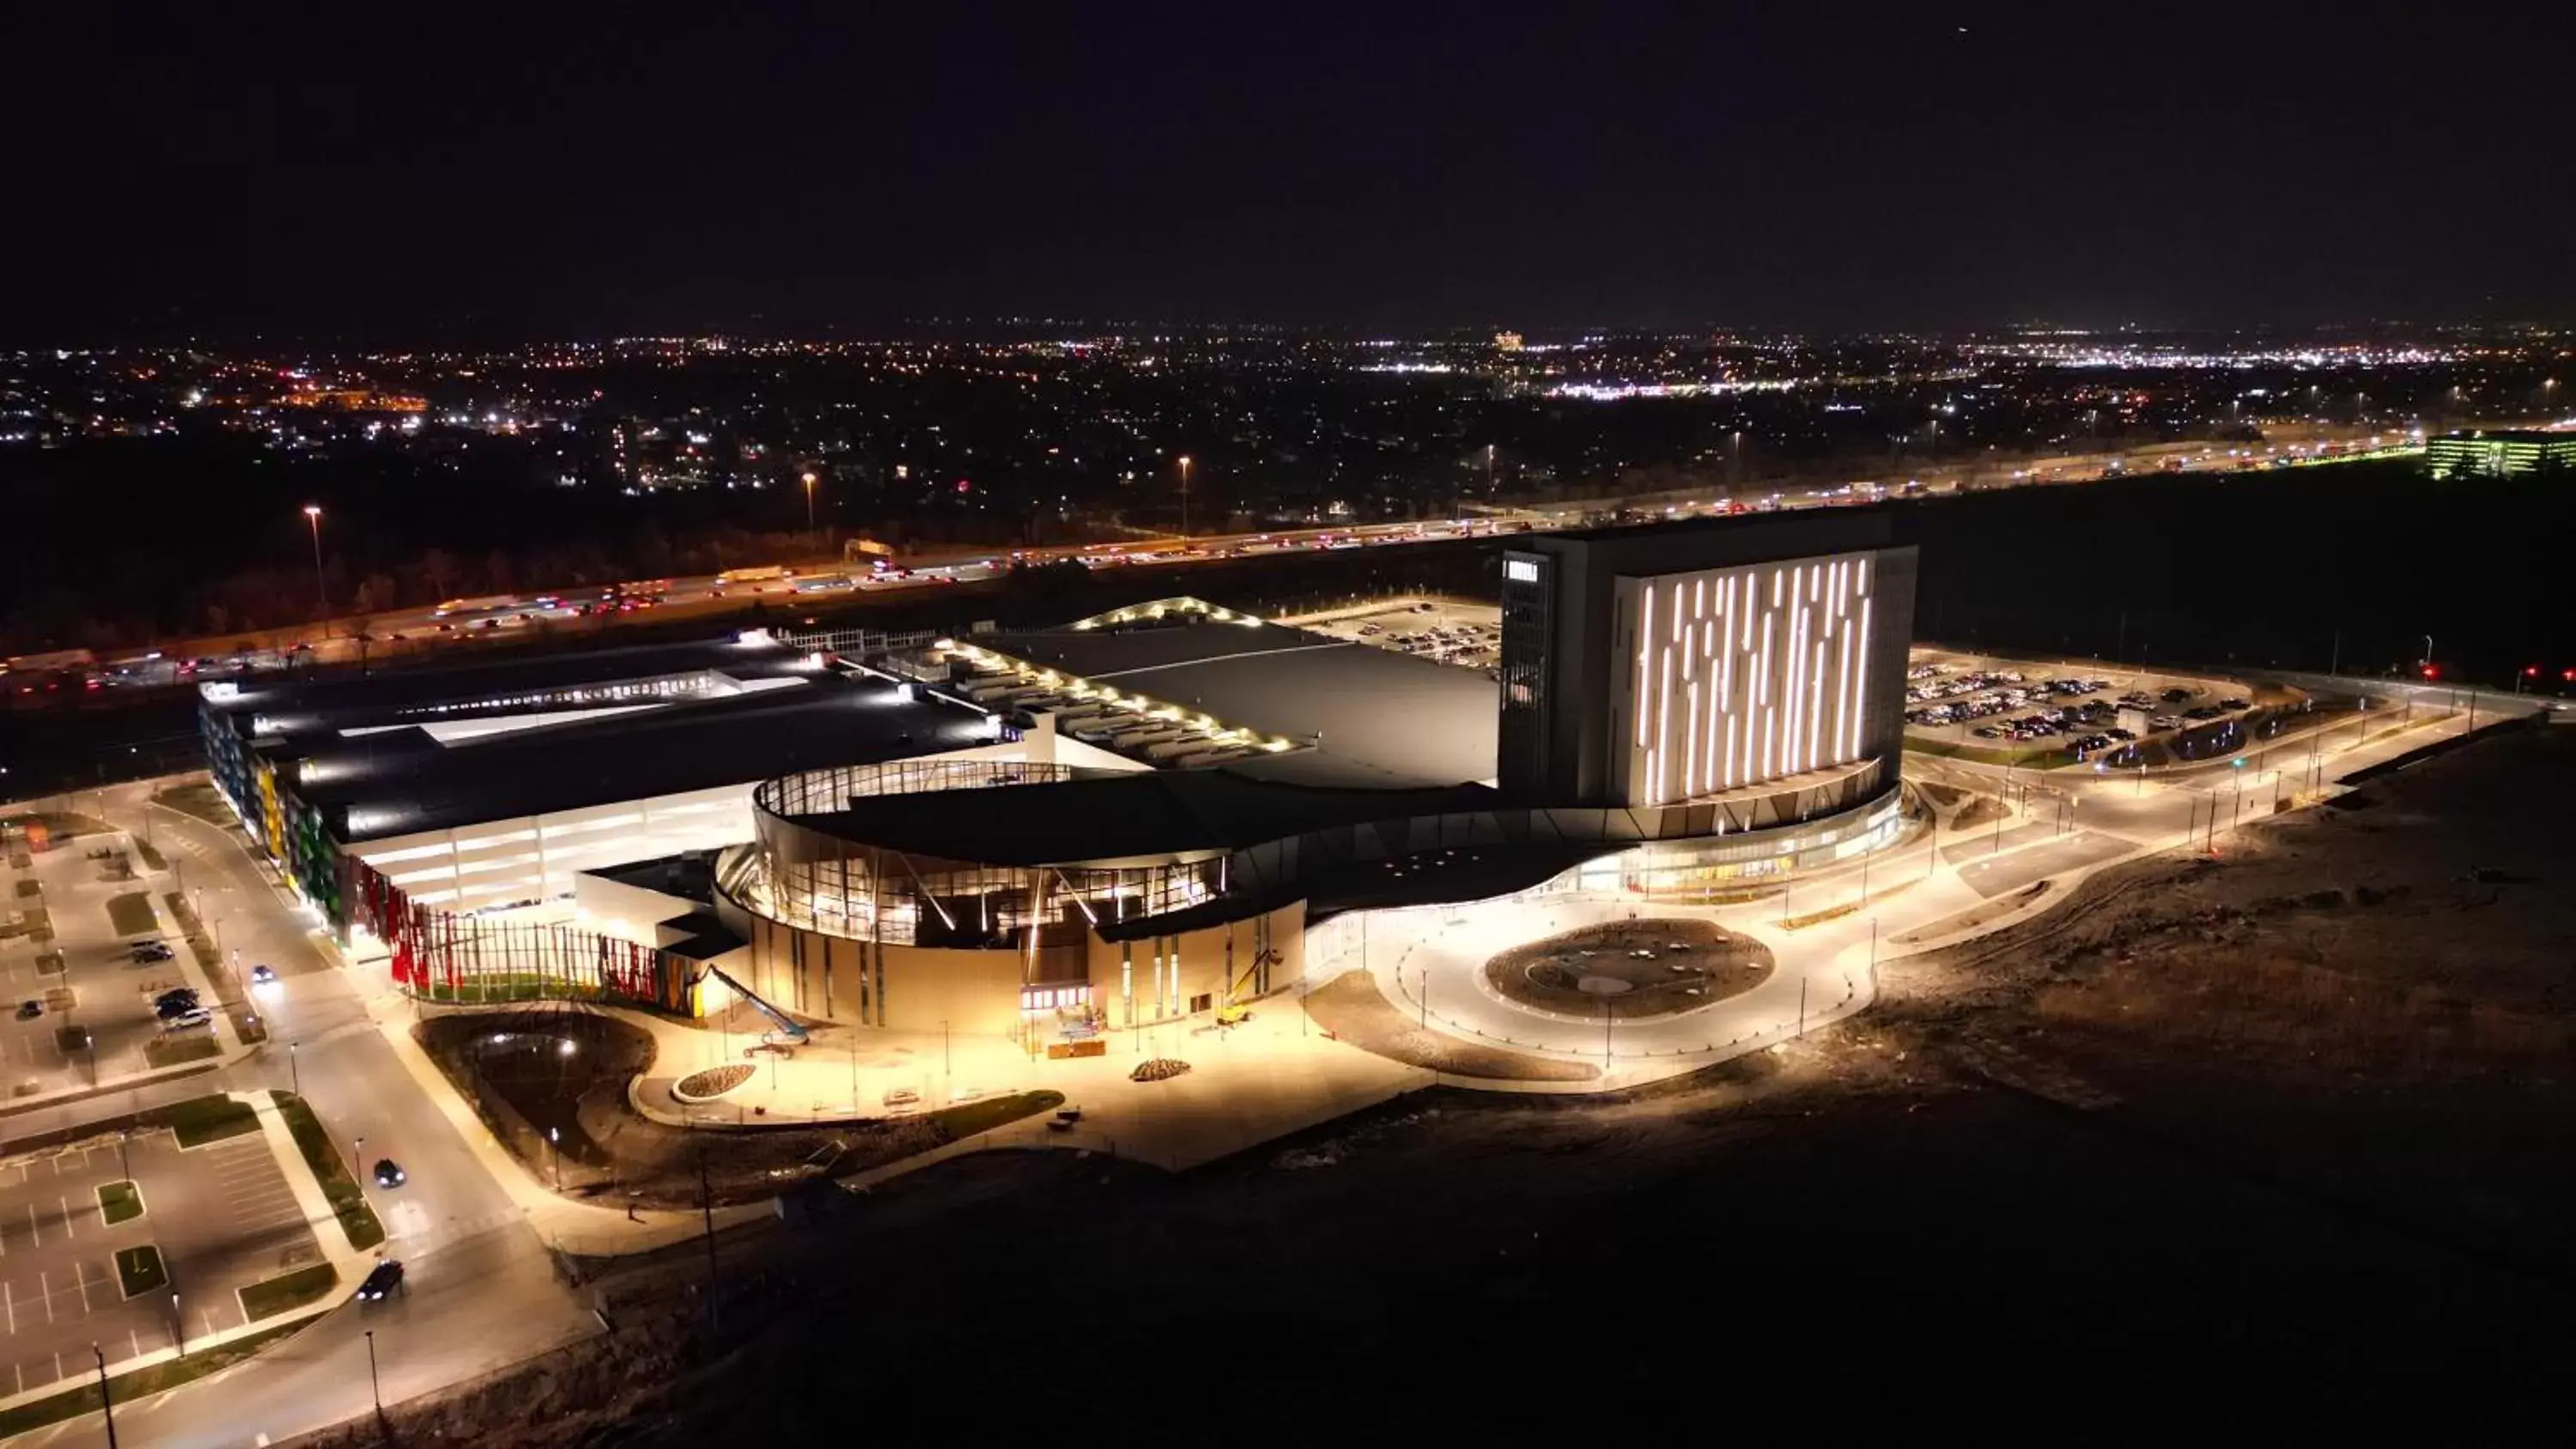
(48, 1285)
(67, 1215)
(9, 1296)
(36, 1237)
(134, 1338)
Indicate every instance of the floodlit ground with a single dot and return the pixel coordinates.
(98, 892)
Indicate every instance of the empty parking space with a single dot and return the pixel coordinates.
(220, 1216)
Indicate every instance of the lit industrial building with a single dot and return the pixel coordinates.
(1123, 820)
(2500, 453)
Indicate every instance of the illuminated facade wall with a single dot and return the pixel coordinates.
(1730, 677)
(1649, 667)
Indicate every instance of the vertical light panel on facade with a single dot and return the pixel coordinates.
(1758, 699)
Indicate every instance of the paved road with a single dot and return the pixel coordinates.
(482, 1288)
(2054, 856)
(2072, 820)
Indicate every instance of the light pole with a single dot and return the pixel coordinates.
(809, 507)
(554, 1151)
(375, 1385)
(1185, 495)
(313, 517)
(294, 1074)
(106, 1402)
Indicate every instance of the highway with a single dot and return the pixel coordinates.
(480, 1287)
(823, 581)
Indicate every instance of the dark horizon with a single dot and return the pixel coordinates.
(640, 171)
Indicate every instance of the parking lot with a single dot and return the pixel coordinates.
(220, 1215)
(1444, 631)
(86, 978)
(2088, 712)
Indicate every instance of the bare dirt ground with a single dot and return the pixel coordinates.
(2276, 1143)
(1685, 963)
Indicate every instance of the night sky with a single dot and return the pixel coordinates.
(392, 171)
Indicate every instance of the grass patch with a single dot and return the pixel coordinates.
(119, 1202)
(170, 1051)
(968, 1118)
(50, 963)
(201, 1120)
(71, 1041)
(288, 1292)
(131, 914)
(151, 854)
(140, 1270)
(28, 888)
(348, 1203)
(141, 1383)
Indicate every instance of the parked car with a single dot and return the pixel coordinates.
(185, 1020)
(30, 1010)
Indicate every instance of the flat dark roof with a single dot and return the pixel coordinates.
(344, 697)
(1385, 719)
(403, 780)
(1146, 815)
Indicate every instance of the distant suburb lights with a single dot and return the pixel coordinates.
(1746, 675)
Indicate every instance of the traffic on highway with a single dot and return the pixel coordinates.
(869, 569)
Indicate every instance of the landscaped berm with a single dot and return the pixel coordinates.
(1631, 970)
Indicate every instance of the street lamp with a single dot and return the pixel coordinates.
(554, 1150)
(313, 518)
(106, 1401)
(374, 1384)
(809, 504)
(1185, 495)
